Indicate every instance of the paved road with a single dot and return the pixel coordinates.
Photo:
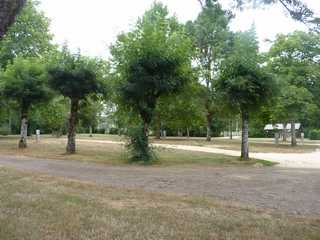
(294, 191)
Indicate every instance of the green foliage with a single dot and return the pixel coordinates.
(29, 36)
(314, 134)
(74, 76)
(25, 81)
(138, 146)
(212, 42)
(244, 84)
(153, 60)
(294, 60)
(89, 113)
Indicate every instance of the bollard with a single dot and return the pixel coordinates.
(38, 135)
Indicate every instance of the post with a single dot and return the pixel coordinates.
(276, 138)
(293, 134)
(37, 135)
(302, 138)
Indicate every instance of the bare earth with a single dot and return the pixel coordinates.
(293, 191)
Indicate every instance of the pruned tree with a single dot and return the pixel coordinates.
(244, 84)
(151, 61)
(76, 77)
(8, 11)
(25, 82)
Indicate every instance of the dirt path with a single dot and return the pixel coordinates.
(289, 190)
(285, 160)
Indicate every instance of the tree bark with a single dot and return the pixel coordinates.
(158, 126)
(284, 132)
(293, 134)
(71, 146)
(8, 11)
(90, 131)
(230, 130)
(23, 130)
(209, 132)
(9, 122)
(245, 136)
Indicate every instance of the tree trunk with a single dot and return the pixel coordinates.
(293, 134)
(284, 132)
(230, 130)
(90, 131)
(23, 130)
(209, 132)
(158, 126)
(9, 122)
(146, 129)
(71, 146)
(245, 136)
(8, 11)
(188, 132)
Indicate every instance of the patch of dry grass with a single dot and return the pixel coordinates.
(37, 207)
(256, 145)
(115, 154)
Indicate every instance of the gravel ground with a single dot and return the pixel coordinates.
(293, 191)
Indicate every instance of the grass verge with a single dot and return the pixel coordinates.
(39, 207)
(115, 154)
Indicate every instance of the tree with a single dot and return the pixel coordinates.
(53, 116)
(75, 77)
(182, 110)
(297, 9)
(211, 37)
(29, 36)
(294, 60)
(244, 83)
(90, 109)
(25, 82)
(151, 61)
(294, 103)
(8, 11)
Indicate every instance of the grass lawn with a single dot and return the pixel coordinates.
(53, 148)
(36, 207)
(255, 145)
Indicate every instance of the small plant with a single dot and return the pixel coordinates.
(138, 146)
(314, 134)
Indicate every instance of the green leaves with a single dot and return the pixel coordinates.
(25, 81)
(152, 60)
(75, 76)
(29, 36)
(243, 81)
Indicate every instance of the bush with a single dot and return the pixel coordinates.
(314, 134)
(114, 131)
(138, 146)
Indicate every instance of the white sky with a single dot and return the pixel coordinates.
(92, 25)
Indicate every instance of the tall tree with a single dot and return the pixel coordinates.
(151, 61)
(294, 60)
(244, 83)
(8, 11)
(29, 36)
(25, 82)
(75, 77)
(211, 37)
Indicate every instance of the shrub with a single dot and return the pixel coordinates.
(138, 146)
(314, 134)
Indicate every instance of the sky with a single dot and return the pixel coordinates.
(93, 25)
